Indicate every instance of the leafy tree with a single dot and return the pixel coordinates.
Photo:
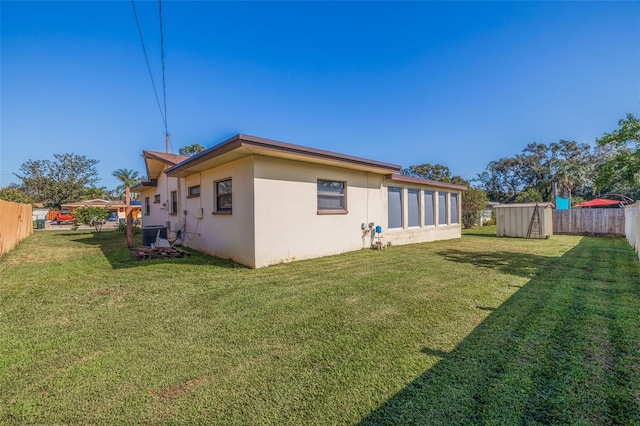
(530, 195)
(577, 200)
(191, 149)
(60, 181)
(15, 194)
(93, 192)
(474, 202)
(436, 172)
(501, 180)
(568, 163)
(623, 162)
(572, 167)
(128, 178)
(92, 216)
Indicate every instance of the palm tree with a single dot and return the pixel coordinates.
(128, 179)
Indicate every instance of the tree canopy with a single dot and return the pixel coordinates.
(567, 163)
(621, 149)
(474, 202)
(92, 216)
(15, 194)
(128, 178)
(436, 172)
(59, 181)
(191, 149)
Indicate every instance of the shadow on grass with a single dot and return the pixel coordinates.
(481, 233)
(114, 248)
(522, 265)
(558, 351)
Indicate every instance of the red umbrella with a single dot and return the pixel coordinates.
(598, 202)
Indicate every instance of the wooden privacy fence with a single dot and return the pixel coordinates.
(15, 224)
(589, 222)
(632, 225)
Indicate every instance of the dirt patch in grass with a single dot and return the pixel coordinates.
(175, 392)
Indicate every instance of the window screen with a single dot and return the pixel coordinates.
(428, 208)
(395, 206)
(331, 195)
(413, 207)
(454, 208)
(442, 208)
(174, 202)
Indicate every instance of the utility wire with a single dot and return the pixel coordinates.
(146, 57)
(164, 86)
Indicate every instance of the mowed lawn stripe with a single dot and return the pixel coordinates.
(480, 329)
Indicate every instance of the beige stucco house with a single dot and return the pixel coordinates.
(262, 202)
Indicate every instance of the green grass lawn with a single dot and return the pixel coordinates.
(479, 330)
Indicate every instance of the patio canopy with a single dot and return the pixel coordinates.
(599, 202)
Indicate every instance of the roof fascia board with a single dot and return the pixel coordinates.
(410, 179)
(249, 142)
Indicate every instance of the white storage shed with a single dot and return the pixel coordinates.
(515, 220)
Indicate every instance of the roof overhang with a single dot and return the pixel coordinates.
(94, 203)
(410, 179)
(157, 161)
(240, 146)
(142, 186)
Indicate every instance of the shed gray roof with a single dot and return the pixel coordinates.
(524, 205)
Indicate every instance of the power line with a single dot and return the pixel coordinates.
(164, 86)
(146, 57)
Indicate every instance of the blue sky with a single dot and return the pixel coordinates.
(455, 83)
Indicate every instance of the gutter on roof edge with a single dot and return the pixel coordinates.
(241, 140)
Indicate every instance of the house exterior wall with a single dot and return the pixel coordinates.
(422, 232)
(229, 236)
(159, 213)
(275, 216)
(288, 224)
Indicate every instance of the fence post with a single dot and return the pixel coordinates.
(632, 226)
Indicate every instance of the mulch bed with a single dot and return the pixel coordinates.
(141, 253)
